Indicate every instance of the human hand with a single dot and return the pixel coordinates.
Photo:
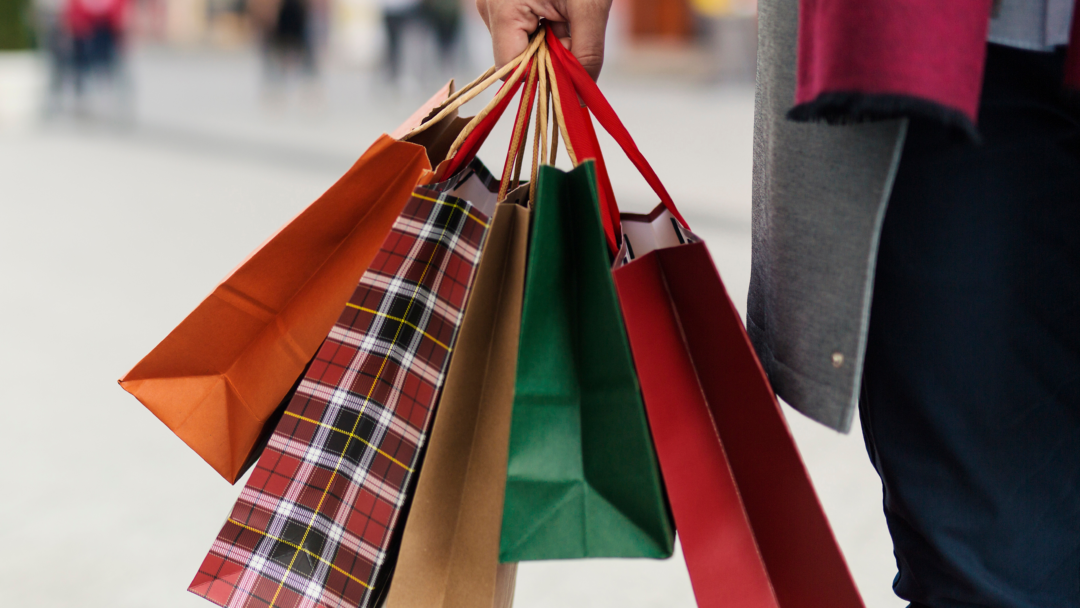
(511, 22)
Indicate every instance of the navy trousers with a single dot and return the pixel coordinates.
(971, 396)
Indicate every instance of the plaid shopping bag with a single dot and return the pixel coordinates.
(314, 524)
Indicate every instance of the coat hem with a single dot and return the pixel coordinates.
(808, 396)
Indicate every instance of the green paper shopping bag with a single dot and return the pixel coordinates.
(582, 476)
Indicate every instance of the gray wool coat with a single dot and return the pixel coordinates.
(819, 198)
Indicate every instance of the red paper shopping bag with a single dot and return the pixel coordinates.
(752, 530)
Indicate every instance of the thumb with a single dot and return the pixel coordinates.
(588, 25)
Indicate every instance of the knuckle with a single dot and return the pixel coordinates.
(591, 59)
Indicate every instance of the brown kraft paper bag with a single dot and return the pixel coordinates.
(450, 549)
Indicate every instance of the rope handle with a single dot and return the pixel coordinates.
(542, 141)
(540, 134)
(545, 143)
(469, 140)
(533, 70)
(505, 92)
(472, 137)
(477, 86)
(516, 151)
(559, 116)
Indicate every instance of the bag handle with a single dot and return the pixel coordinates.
(468, 142)
(540, 138)
(535, 85)
(581, 144)
(537, 92)
(474, 88)
(473, 136)
(515, 161)
(547, 92)
(516, 152)
(574, 77)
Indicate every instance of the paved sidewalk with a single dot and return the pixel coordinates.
(109, 237)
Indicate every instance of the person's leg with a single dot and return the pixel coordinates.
(445, 24)
(61, 61)
(274, 57)
(971, 400)
(395, 22)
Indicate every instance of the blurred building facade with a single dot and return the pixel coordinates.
(697, 38)
(711, 40)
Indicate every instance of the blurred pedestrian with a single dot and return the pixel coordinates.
(444, 19)
(397, 16)
(286, 30)
(85, 41)
(55, 42)
(96, 28)
(916, 254)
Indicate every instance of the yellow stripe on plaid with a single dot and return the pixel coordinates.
(374, 383)
(344, 432)
(455, 206)
(298, 548)
(393, 318)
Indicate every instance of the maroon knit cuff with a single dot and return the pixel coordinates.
(840, 108)
(860, 60)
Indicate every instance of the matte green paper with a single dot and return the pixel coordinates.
(582, 479)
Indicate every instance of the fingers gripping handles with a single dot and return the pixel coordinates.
(545, 65)
(576, 96)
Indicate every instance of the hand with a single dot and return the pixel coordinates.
(512, 21)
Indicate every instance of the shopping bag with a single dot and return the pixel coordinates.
(742, 500)
(450, 548)
(582, 477)
(752, 530)
(449, 554)
(319, 520)
(315, 519)
(216, 379)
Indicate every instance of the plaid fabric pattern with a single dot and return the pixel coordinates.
(314, 523)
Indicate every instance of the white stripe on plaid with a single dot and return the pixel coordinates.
(377, 281)
(326, 393)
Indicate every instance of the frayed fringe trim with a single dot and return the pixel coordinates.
(839, 108)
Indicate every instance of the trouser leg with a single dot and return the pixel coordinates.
(971, 400)
(395, 22)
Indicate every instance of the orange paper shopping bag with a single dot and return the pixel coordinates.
(218, 377)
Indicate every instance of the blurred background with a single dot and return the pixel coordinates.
(146, 146)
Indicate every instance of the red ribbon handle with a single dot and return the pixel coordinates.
(579, 131)
(579, 128)
(472, 143)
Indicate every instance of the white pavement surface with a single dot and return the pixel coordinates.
(108, 238)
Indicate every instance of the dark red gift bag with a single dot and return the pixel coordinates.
(752, 530)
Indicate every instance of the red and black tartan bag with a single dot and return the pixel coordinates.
(320, 513)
